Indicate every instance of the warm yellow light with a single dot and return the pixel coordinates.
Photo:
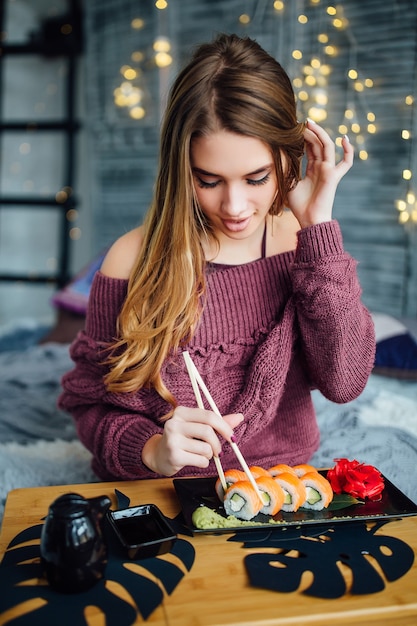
(163, 59)
(278, 5)
(331, 10)
(337, 22)
(338, 141)
(401, 205)
(403, 217)
(310, 80)
(323, 38)
(297, 82)
(330, 50)
(297, 54)
(411, 198)
(137, 23)
(321, 98)
(317, 114)
(303, 19)
(161, 4)
(137, 56)
(369, 82)
(161, 44)
(363, 155)
(349, 114)
(244, 18)
(137, 113)
(315, 63)
(307, 69)
(414, 215)
(61, 196)
(343, 129)
(303, 95)
(72, 215)
(325, 70)
(370, 117)
(407, 174)
(359, 86)
(127, 95)
(75, 233)
(405, 134)
(353, 74)
(355, 128)
(130, 73)
(371, 128)
(409, 100)
(315, 1)
(360, 140)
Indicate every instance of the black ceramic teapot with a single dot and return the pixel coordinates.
(73, 548)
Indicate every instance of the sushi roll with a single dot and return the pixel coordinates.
(319, 491)
(272, 495)
(295, 492)
(231, 476)
(242, 501)
(303, 468)
(257, 471)
(281, 468)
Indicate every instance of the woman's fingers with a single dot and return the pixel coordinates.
(319, 144)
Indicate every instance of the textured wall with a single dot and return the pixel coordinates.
(379, 40)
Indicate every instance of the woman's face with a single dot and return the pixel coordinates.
(235, 182)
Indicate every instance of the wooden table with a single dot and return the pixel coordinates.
(216, 591)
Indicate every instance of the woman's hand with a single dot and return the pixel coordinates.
(190, 437)
(312, 199)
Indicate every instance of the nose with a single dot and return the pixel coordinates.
(234, 200)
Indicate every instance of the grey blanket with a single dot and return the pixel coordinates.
(38, 444)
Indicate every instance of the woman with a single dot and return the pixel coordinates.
(239, 262)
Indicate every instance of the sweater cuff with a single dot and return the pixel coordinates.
(320, 240)
(130, 450)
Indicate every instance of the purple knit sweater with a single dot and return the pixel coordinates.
(271, 331)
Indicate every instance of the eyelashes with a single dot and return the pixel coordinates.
(261, 181)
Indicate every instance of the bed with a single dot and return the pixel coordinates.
(38, 443)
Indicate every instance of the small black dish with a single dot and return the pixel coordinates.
(143, 531)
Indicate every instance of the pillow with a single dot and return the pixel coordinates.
(396, 348)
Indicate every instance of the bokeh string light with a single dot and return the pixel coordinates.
(312, 83)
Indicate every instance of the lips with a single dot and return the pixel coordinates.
(236, 226)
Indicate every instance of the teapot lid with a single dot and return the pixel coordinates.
(69, 505)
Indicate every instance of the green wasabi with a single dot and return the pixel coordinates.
(205, 518)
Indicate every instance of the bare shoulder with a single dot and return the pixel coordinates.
(282, 233)
(121, 257)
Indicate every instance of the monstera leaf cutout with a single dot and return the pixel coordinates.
(21, 580)
(319, 550)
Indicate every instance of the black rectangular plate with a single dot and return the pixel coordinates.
(195, 492)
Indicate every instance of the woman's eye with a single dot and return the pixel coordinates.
(205, 185)
(259, 181)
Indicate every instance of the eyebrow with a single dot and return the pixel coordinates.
(199, 170)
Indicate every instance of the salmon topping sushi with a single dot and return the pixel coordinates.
(231, 476)
(304, 468)
(272, 495)
(319, 491)
(242, 501)
(280, 469)
(295, 492)
(257, 471)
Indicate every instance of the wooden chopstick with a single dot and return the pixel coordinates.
(191, 367)
(195, 376)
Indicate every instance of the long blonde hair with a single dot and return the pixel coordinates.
(230, 84)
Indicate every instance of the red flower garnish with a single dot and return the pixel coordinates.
(357, 479)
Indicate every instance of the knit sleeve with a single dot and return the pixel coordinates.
(336, 329)
(114, 427)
